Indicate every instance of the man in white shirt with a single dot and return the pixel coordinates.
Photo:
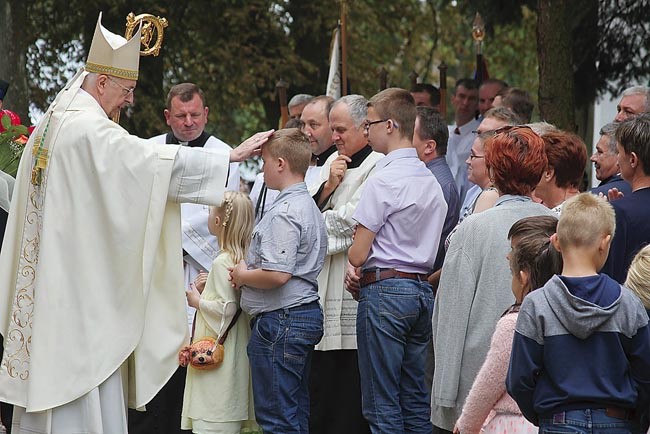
(462, 132)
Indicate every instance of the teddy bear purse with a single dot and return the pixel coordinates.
(205, 353)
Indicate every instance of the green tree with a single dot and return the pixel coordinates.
(13, 45)
(623, 48)
(237, 49)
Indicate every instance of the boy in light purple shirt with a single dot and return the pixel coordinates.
(401, 201)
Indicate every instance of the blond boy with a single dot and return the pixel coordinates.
(581, 352)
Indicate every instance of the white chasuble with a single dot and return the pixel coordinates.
(91, 262)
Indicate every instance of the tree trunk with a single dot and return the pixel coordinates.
(585, 36)
(13, 19)
(556, 99)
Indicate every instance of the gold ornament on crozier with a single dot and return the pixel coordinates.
(153, 30)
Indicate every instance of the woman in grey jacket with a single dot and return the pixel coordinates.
(475, 283)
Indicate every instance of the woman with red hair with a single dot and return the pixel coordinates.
(475, 284)
(567, 158)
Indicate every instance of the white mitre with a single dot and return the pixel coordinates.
(111, 54)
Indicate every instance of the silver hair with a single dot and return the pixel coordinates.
(609, 130)
(357, 106)
(542, 128)
(89, 80)
(504, 114)
(301, 98)
(639, 90)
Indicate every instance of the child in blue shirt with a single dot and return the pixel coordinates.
(280, 288)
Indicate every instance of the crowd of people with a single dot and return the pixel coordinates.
(387, 274)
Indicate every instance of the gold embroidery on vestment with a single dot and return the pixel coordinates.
(127, 74)
(18, 341)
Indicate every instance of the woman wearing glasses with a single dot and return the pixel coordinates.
(486, 195)
(478, 174)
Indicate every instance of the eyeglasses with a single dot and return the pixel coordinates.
(473, 156)
(127, 90)
(367, 124)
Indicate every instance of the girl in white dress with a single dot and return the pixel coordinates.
(221, 400)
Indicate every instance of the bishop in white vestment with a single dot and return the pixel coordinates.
(91, 264)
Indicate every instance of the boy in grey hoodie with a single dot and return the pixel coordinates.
(581, 352)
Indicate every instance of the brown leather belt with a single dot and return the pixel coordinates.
(620, 413)
(368, 277)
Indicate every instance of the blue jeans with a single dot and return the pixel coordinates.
(280, 349)
(393, 331)
(589, 421)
